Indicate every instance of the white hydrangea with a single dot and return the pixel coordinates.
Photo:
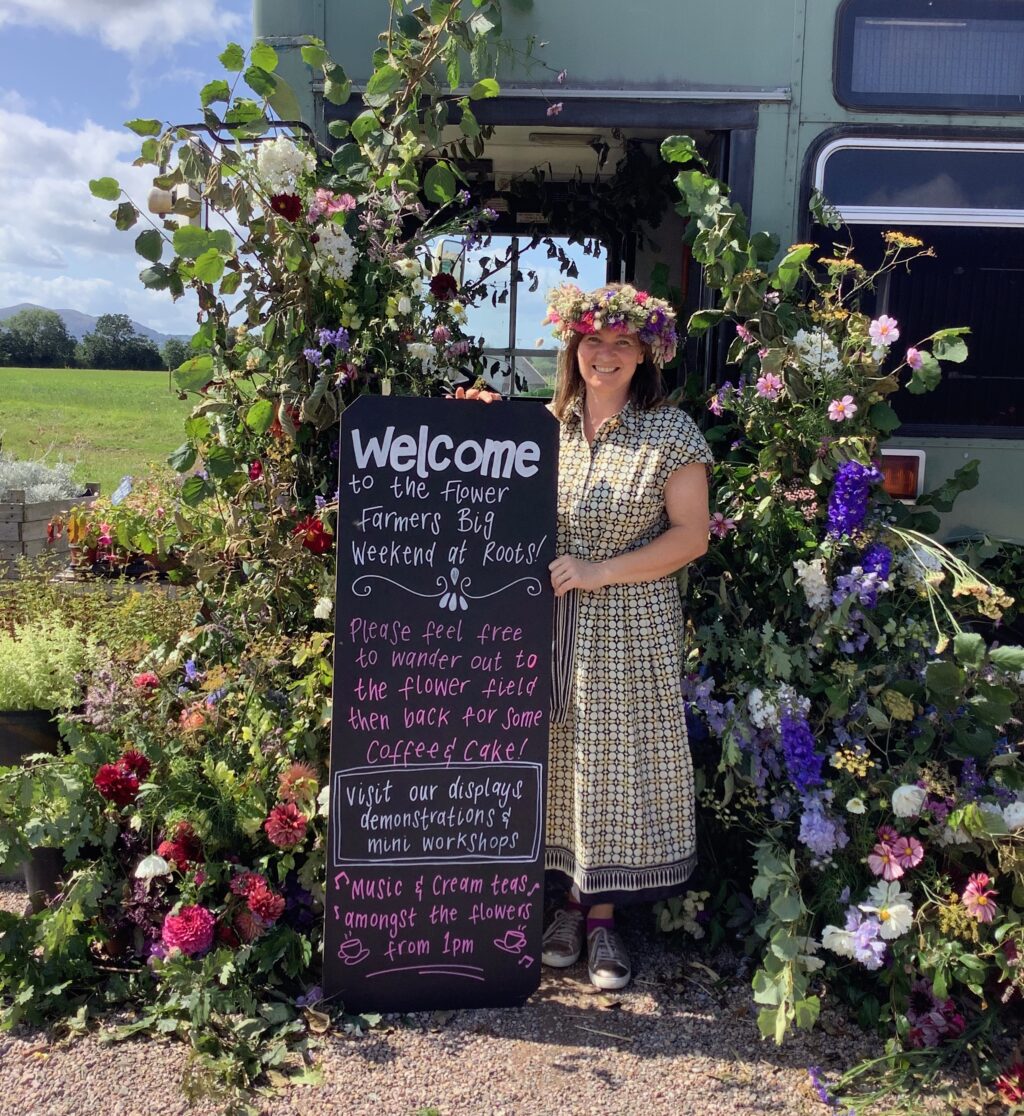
(892, 907)
(814, 583)
(420, 350)
(817, 352)
(1013, 815)
(279, 163)
(336, 252)
(763, 713)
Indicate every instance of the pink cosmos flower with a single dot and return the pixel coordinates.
(914, 358)
(840, 410)
(883, 331)
(769, 386)
(744, 334)
(883, 862)
(978, 898)
(720, 526)
(887, 834)
(909, 852)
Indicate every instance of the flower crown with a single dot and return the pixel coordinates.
(624, 309)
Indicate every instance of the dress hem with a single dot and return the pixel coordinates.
(621, 884)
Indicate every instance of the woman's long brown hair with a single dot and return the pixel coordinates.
(646, 389)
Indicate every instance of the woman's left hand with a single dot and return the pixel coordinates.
(573, 573)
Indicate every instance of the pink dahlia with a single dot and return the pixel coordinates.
(978, 898)
(146, 680)
(286, 825)
(190, 930)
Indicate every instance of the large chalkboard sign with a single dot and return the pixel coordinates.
(441, 695)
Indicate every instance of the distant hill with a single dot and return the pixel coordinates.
(80, 324)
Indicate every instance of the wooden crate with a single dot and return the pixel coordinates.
(23, 527)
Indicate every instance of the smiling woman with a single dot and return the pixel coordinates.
(110, 423)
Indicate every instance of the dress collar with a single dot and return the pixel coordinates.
(626, 417)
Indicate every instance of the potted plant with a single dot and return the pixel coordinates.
(42, 664)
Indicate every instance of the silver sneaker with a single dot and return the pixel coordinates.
(607, 960)
(563, 939)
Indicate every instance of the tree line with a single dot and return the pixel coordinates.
(40, 339)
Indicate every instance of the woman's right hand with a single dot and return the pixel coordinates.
(482, 394)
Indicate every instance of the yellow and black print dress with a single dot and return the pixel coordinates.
(620, 820)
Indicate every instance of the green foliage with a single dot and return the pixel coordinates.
(36, 339)
(40, 663)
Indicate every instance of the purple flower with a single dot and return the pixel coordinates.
(848, 502)
(877, 558)
(820, 832)
(192, 672)
(338, 338)
(213, 698)
(803, 763)
(313, 356)
(868, 947)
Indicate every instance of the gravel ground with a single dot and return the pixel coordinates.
(667, 1045)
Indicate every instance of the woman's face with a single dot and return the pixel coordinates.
(607, 361)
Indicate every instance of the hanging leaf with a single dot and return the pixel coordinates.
(264, 56)
(384, 81)
(195, 490)
(260, 416)
(183, 458)
(484, 88)
(213, 91)
(679, 149)
(125, 216)
(439, 184)
(194, 374)
(209, 266)
(105, 188)
(232, 58)
(150, 245)
(144, 127)
(337, 86)
(314, 55)
(259, 81)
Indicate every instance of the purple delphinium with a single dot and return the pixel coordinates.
(877, 559)
(972, 782)
(803, 763)
(848, 501)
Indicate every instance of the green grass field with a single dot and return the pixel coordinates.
(108, 423)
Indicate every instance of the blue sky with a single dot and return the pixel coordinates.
(71, 73)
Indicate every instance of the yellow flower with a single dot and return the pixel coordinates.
(901, 240)
(900, 707)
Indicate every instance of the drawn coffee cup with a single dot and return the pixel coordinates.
(514, 941)
(352, 951)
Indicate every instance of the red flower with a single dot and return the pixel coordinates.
(146, 680)
(190, 930)
(286, 826)
(315, 536)
(265, 903)
(443, 286)
(135, 763)
(585, 323)
(183, 849)
(116, 784)
(256, 470)
(227, 936)
(288, 205)
(244, 882)
(1011, 1084)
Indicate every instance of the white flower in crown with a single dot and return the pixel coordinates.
(572, 311)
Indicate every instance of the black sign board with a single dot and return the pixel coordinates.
(435, 878)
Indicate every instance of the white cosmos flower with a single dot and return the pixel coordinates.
(837, 941)
(408, 268)
(856, 806)
(152, 866)
(323, 608)
(892, 908)
(907, 800)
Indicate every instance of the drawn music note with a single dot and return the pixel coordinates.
(339, 877)
(526, 960)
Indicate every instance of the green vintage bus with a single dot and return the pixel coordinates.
(905, 114)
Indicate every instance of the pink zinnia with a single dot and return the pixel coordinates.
(978, 897)
(720, 526)
(769, 385)
(883, 330)
(914, 358)
(882, 861)
(190, 930)
(909, 852)
(839, 410)
(286, 825)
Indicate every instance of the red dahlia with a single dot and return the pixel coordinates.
(116, 784)
(286, 826)
(256, 470)
(183, 849)
(289, 206)
(443, 286)
(265, 903)
(135, 763)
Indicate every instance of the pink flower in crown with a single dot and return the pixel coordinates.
(641, 297)
(882, 861)
(585, 323)
(914, 359)
(105, 538)
(909, 852)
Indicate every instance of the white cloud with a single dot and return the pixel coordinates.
(50, 222)
(129, 26)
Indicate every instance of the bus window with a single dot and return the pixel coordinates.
(955, 55)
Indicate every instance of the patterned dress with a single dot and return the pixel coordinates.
(620, 818)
